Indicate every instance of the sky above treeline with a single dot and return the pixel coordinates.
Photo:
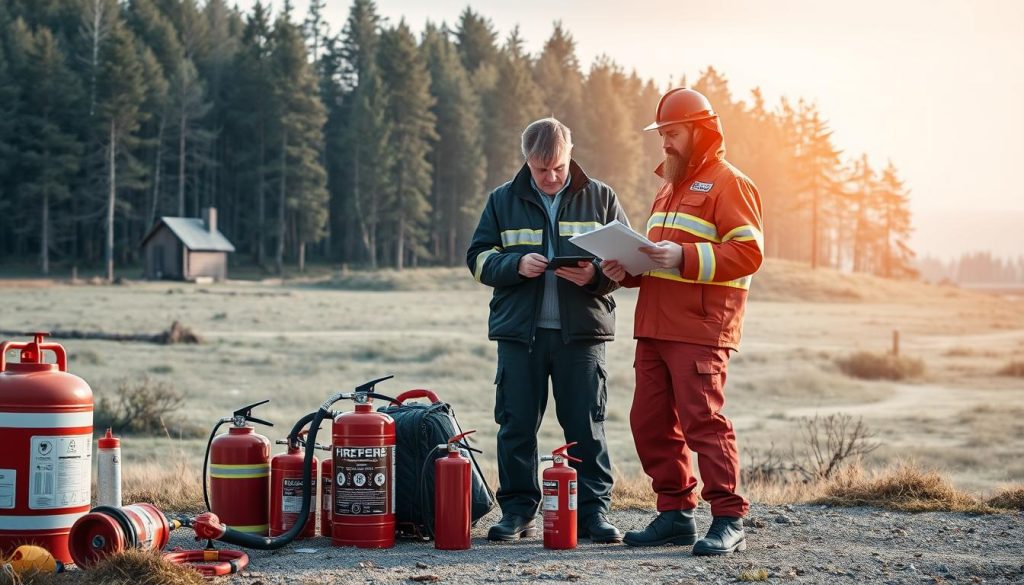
(934, 85)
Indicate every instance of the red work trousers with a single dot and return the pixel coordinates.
(679, 393)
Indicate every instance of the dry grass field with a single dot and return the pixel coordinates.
(297, 340)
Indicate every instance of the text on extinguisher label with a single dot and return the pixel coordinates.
(572, 495)
(325, 481)
(363, 479)
(8, 480)
(291, 495)
(550, 495)
(60, 471)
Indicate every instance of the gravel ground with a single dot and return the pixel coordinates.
(801, 544)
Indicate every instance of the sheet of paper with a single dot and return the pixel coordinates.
(615, 241)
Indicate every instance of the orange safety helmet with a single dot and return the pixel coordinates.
(681, 105)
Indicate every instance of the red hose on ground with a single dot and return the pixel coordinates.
(210, 562)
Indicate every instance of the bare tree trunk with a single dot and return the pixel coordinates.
(181, 163)
(261, 202)
(367, 225)
(279, 256)
(302, 256)
(111, 194)
(400, 245)
(44, 246)
(157, 172)
(95, 30)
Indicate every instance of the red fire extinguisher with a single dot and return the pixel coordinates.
(239, 463)
(46, 453)
(452, 496)
(286, 491)
(107, 530)
(559, 491)
(364, 473)
(326, 499)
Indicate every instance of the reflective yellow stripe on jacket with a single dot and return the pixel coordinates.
(522, 237)
(741, 283)
(481, 258)
(685, 222)
(575, 228)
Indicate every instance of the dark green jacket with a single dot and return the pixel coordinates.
(514, 224)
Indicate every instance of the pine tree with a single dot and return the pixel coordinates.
(818, 176)
(189, 105)
(120, 92)
(49, 154)
(316, 29)
(404, 72)
(557, 74)
(370, 159)
(477, 41)
(457, 154)
(156, 32)
(609, 145)
(897, 257)
(510, 106)
(249, 121)
(299, 120)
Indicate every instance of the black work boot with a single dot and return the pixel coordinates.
(511, 527)
(599, 529)
(672, 526)
(725, 536)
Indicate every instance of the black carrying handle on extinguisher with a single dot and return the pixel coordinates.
(208, 526)
(32, 351)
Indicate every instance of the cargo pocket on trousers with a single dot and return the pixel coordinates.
(710, 374)
(598, 414)
(499, 397)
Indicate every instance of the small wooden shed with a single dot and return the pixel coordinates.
(186, 248)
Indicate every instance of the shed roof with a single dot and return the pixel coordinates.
(193, 234)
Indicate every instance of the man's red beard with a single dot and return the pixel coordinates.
(675, 168)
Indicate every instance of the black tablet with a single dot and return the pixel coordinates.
(570, 261)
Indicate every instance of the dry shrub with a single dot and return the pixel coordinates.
(1014, 368)
(904, 488)
(632, 493)
(830, 443)
(1011, 498)
(136, 567)
(145, 407)
(880, 366)
(174, 486)
(27, 578)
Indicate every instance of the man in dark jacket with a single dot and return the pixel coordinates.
(548, 323)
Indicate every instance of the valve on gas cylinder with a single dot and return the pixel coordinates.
(559, 491)
(239, 468)
(46, 453)
(453, 495)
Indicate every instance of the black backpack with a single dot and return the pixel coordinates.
(419, 429)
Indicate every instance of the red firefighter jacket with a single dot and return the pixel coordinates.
(715, 215)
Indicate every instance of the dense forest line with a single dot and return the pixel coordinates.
(368, 145)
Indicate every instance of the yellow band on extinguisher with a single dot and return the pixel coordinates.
(240, 471)
(256, 529)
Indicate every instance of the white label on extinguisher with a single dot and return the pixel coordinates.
(572, 495)
(550, 496)
(363, 480)
(291, 496)
(60, 471)
(8, 479)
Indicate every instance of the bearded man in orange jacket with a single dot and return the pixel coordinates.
(706, 220)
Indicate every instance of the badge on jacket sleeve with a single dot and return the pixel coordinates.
(701, 187)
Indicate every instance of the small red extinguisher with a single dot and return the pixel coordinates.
(452, 496)
(286, 491)
(559, 491)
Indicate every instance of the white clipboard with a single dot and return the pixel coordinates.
(616, 241)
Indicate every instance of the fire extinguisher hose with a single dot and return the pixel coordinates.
(208, 526)
(210, 562)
